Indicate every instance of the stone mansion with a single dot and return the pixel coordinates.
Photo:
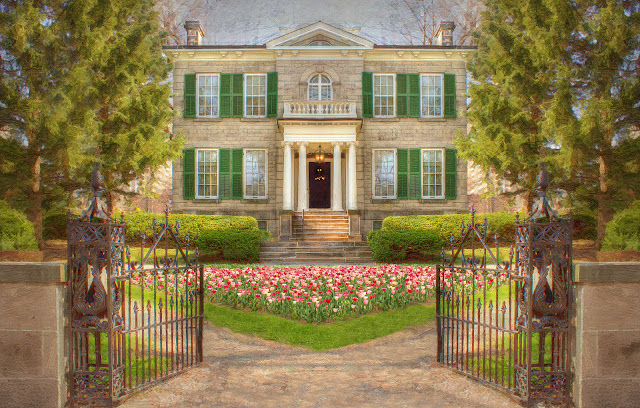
(319, 121)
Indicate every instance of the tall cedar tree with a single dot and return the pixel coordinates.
(604, 154)
(79, 77)
(517, 89)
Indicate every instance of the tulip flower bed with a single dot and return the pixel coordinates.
(318, 294)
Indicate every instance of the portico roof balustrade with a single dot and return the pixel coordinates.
(319, 109)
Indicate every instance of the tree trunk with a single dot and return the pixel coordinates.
(528, 201)
(604, 207)
(110, 197)
(35, 210)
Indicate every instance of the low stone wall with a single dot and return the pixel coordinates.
(607, 336)
(32, 341)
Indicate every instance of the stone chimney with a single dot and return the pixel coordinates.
(195, 32)
(444, 34)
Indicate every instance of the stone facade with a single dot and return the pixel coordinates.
(344, 63)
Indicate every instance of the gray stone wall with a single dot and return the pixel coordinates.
(607, 335)
(32, 335)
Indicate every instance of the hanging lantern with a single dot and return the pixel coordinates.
(319, 155)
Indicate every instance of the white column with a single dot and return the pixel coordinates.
(336, 197)
(352, 199)
(303, 177)
(287, 191)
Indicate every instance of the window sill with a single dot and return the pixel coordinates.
(207, 119)
(256, 200)
(206, 200)
(384, 200)
(265, 119)
(432, 201)
(385, 119)
(431, 119)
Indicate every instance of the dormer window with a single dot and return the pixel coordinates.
(319, 88)
(320, 43)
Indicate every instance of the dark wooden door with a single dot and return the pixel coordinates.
(319, 185)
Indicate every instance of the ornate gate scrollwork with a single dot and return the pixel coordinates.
(514, 334)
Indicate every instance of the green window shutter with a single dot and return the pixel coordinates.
(236, 174)
(402, 96)
(224, 175)
(415, 182)
(272, 94)
(367, 94)
(413, 95)
(450, 174)
(225, 95)
(237, 95)
(403, 176)
(189, 111)
(450, 96)
(189, 174)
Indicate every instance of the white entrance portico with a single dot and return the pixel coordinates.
(335, 137)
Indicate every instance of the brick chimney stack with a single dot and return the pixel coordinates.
(444, 34)
(195, 32)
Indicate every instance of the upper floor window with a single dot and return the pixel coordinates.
(255, 91)
(320, 88)
(208, 102)
(431, 95)
(207, 173)
(383, 95)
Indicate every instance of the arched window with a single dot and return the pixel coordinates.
(320, 43)
(320, 88)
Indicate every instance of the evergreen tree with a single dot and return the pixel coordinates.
(518, 90)
(82, 81)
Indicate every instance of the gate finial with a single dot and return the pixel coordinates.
(542, 208)
(97, 208)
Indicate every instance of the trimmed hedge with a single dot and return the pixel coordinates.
(447, 225)
(194, 225)
(16, 232)
(394, 245)
(623, 231)
(232, 245)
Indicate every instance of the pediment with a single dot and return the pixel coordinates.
(319, 35)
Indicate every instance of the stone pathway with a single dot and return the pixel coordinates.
(398, 370)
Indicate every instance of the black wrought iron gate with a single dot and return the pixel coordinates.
(503, 314)
(132, 323)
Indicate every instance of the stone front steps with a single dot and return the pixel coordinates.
(319, 237)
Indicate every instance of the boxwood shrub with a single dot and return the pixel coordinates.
(394, 245)
(232, 244)
(16, 232)
(447, 225)
(623, 231)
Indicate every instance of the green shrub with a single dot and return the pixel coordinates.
(623, 231)
(55, 226)
(16, 232)
(194, 225)
(232, 244)
(447, 225)
(394, 245)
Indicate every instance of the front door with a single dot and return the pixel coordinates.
(319, 185)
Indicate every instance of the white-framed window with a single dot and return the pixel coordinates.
(255, 95)
(384, 101)
(432, 100)
(207, 173)
(320, 88)
(432, 173)
(207, 100)
(384, 173)
(255, 173)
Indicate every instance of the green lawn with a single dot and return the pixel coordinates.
(324, 336)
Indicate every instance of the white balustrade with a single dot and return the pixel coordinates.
(320, 109)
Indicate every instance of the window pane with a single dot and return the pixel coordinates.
(431, 95)
(256, 95)
(207, 173)
(207, 95)
(384, 173)
(383, 95)
(432, 173)
(255, 172)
